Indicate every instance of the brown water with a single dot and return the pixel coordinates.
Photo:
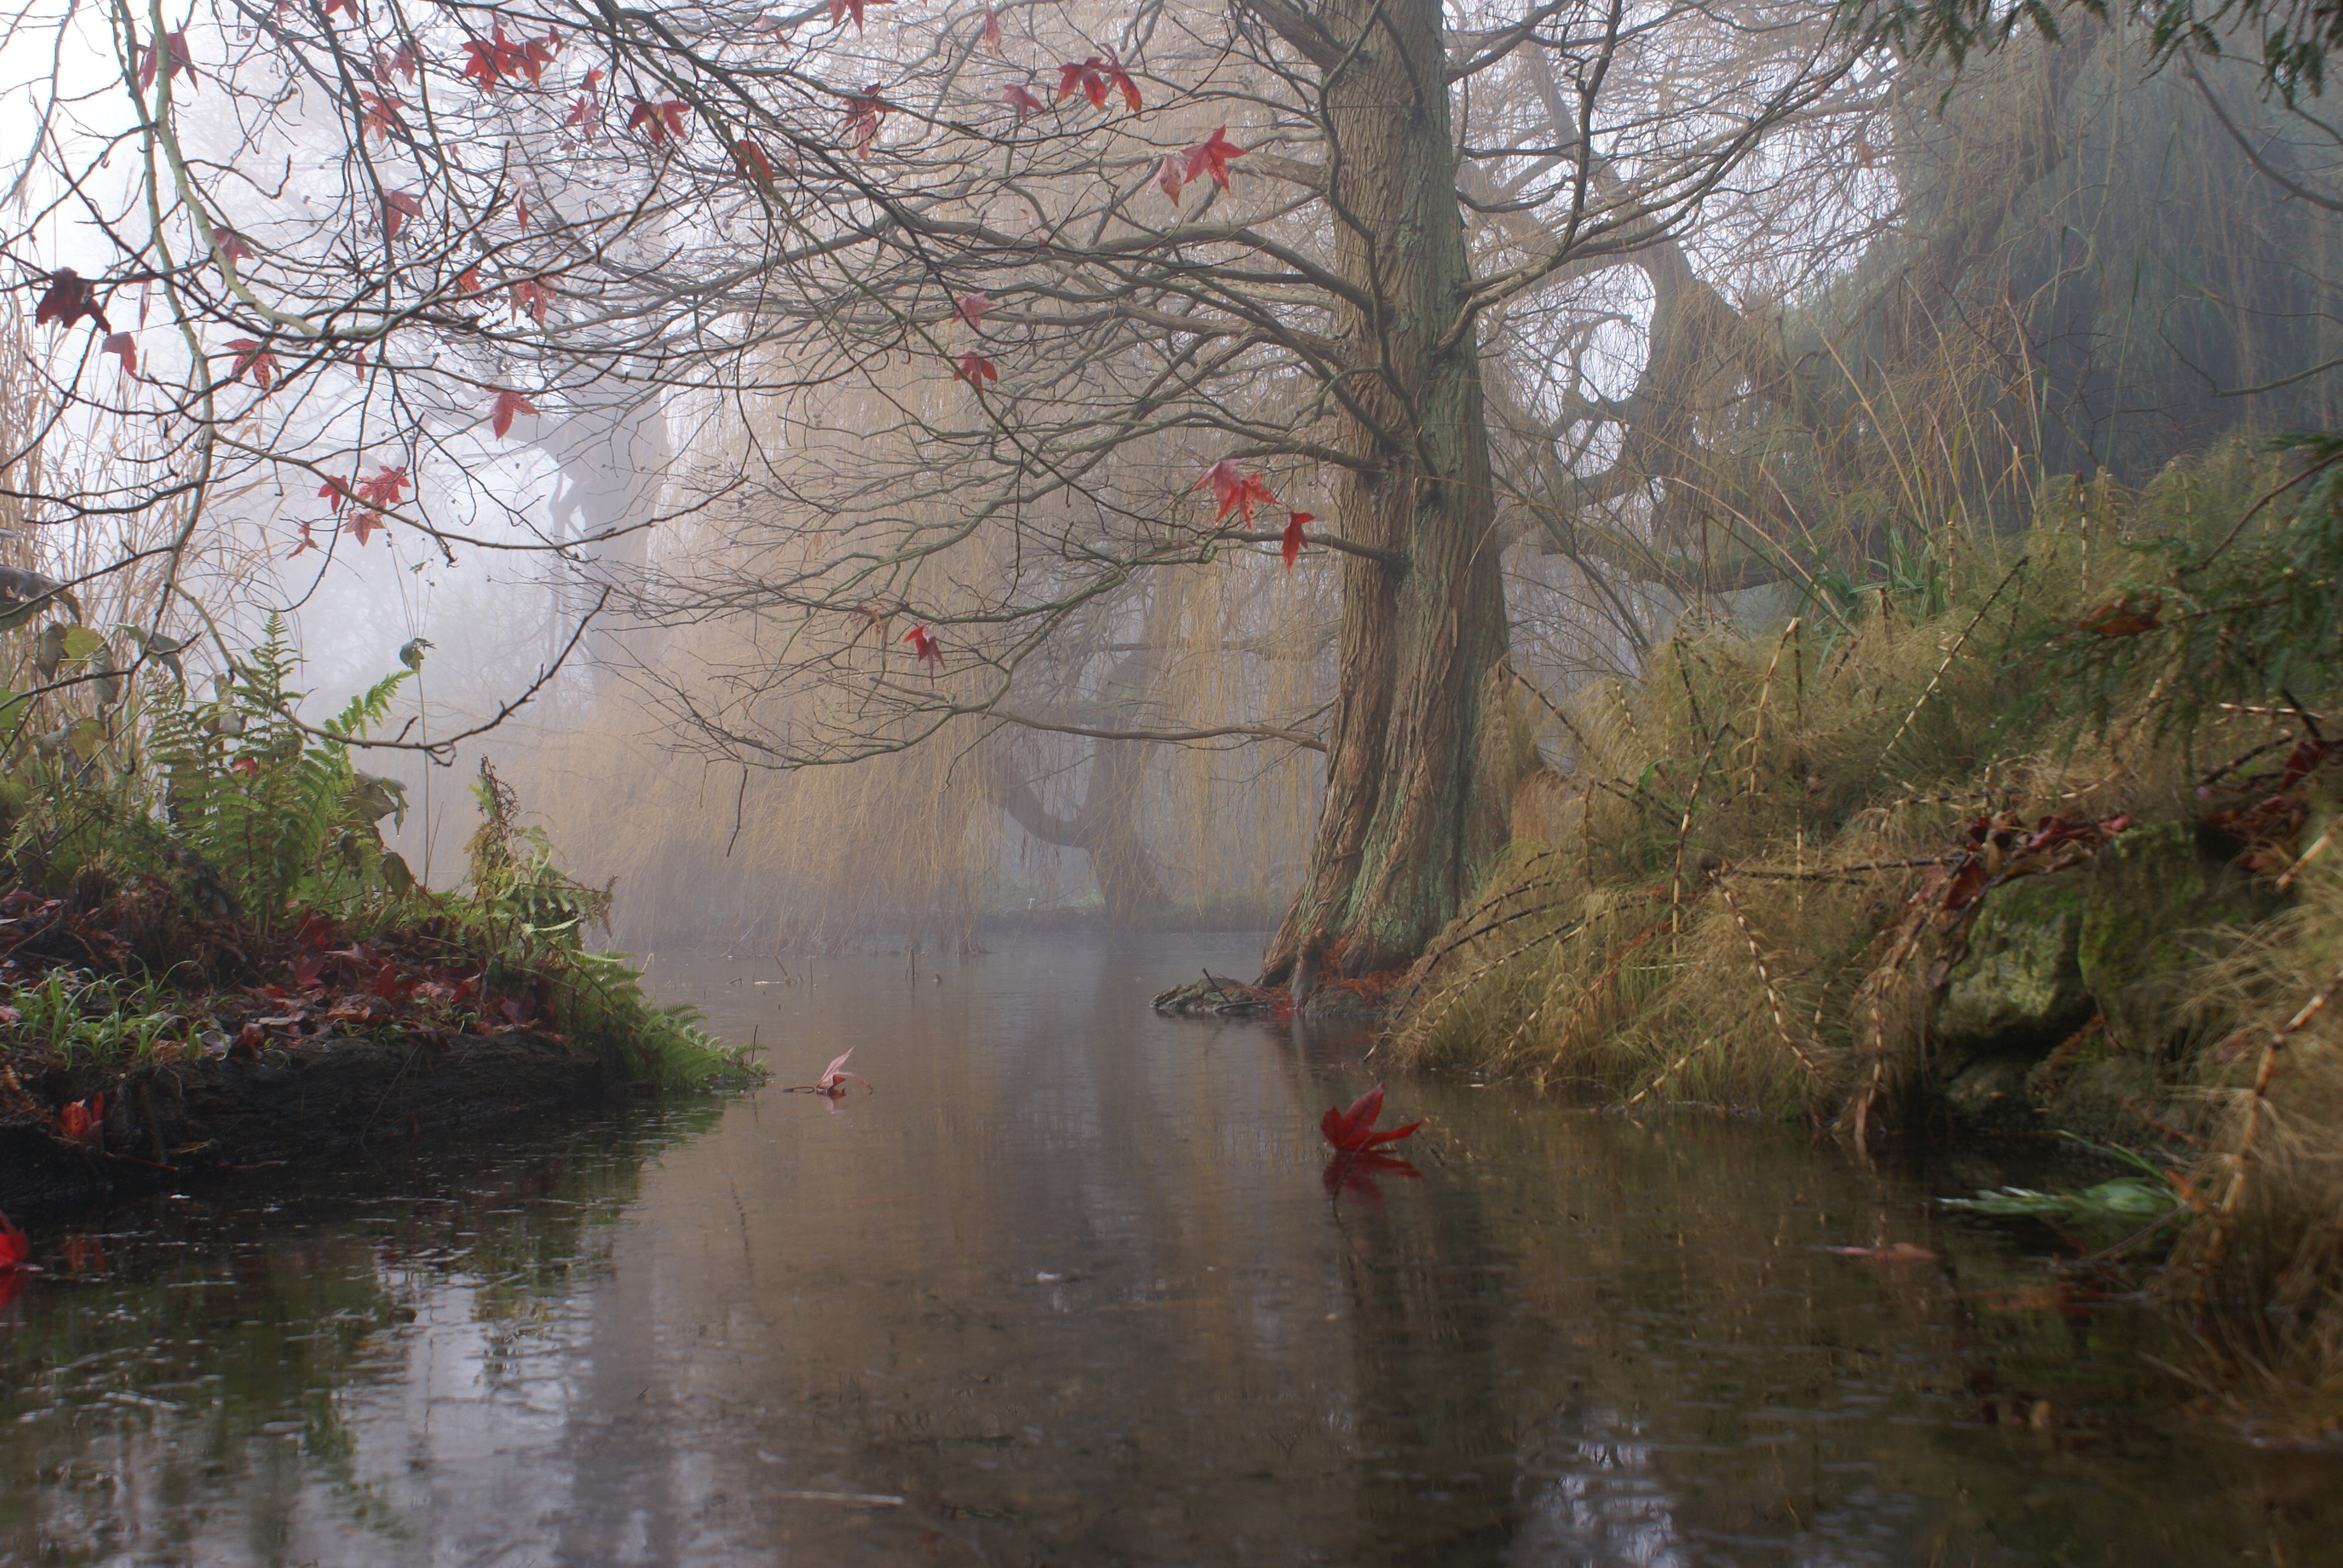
(1071, 1288)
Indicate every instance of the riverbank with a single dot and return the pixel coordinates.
(178, 1048)
(2031, 835)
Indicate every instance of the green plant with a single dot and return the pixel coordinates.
(96, 1020)
(280, 816)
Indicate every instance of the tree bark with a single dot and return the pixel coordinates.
(1414, 805)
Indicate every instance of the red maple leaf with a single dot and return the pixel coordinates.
(397, 206)
(175, 59)
(333, 5)
(839, 10)
(586, 114)
(1235, 489)
(507, 403)
(14, 1247)
(1117, 78)
(309, 540)
(83, 1121)
(1171, 176)
(1353, 1130)
(992, 29)
(532, 295)
(468, 281)
(753, 162)
(976, 369)
(252, 357)
(864, 111)
(381, 116)
(230, 246)
(1020, 99)
(520, 210)
(486, 62)
(1212, 156)
(383, 489)
(658, 121)
(399, 61)
(833, 1078)
(67, 299)
(364, 524)
(1085, 78)
(928, 651)
(1290, 545)
(1353, 1176)
(970, 308)
(122, 343)
(334, 492)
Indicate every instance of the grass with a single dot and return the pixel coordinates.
(1747, 883)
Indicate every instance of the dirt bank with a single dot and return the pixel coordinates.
(165, 1124)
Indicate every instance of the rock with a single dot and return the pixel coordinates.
(2018, 991)
(1990, 1092)
(2149, 898)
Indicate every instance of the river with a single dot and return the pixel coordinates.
(1076, 1286)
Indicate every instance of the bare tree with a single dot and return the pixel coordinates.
(962, 326)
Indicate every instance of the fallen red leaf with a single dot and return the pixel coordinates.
(1353, 1130)
(83, 1121)
(2124, 617)
(1899, 1252)
(1354, 1175)
(833, 1078)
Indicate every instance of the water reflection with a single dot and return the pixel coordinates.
(1078, 1285)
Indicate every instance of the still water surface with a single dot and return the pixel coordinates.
(1071, 1288)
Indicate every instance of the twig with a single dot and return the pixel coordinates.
(1764, 694)
(1765, 977)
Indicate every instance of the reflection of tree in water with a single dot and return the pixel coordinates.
(187, 1392)
(1434, 1453)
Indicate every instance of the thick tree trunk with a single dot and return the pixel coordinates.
(1416, 783)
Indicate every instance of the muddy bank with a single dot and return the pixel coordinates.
(306, 1103)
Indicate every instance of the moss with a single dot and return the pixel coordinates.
(2150, 899)
(2019, 989)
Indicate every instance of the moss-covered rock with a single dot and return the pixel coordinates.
(2018, 991)
(2149, 899)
